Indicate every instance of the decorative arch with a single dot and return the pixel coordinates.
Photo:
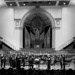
(35, 10)
(41, 11)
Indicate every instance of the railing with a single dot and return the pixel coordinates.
(8, 43)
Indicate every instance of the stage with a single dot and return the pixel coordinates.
(69, 56)
(41, 51)
(38, 50)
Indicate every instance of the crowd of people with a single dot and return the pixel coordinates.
(18, 60)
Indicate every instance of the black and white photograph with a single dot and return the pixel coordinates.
(37, 37)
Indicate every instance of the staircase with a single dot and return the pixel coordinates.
(8, 43)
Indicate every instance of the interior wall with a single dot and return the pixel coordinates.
(19, 12)
(7, 25)
(56, 12)
(68, 25)
(63, 34)
(8, 30)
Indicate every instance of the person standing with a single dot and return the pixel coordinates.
(73, 42)
(31, 62)
(3, 61)
(13, 61)
(23, 61)
(2, 58)
(49, 63)
(18, 62)
(63, 62)
(10, 60)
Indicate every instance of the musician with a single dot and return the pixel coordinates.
(23, 60)
(37, 62)
(55, 59)
(14, 61)
(10, 60)
(18, 62)
(3, 61)
(73, 42)
(31, 62)
(63, 62)
(49, 63)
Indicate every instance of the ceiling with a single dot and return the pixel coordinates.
(13, 3)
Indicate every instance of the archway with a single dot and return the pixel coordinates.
(36, 24)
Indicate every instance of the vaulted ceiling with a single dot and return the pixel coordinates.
(13, 3)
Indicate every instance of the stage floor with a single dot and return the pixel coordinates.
(44, 67)
(70, 55)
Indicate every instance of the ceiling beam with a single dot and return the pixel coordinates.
(17, 3)
(57, 2)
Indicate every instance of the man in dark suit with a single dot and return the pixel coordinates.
(10, 60)
(63, 62)
(3, 61)
(31, 62)
(49, 63)
(73, 42)
(23, 60)
(18, 62)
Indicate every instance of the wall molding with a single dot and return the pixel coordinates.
(18, 28)
(56, 28)
(17, 22)
(58, 18)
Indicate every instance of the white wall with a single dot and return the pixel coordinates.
(54, 11)
(68, 25)
(7, 24)
(63, 34)
(21, 11)
(18, 14)
(10, 35)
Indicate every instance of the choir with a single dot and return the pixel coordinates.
(18, 60)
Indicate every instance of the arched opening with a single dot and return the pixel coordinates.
(37, 29)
